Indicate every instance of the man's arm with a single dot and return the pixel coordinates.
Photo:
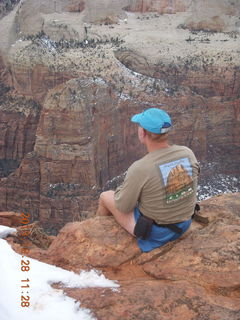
(127, 194)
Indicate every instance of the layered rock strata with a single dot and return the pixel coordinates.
(88, 86)
(18, 124)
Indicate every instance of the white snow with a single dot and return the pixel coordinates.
(217, 184)
(46, 303)
(5, 231)
(124, 96)
(48, 44)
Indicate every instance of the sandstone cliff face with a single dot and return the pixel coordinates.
(18, 123)
(31, 14)
(20, 189)
(87, 88)
(108, 11)
(160, 6)
(71, 160)
(195, 277)
(214, 15)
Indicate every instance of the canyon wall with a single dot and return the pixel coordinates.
(30, 17)
(160, 6)
(214, 15)
(18, 125)
(66, 104)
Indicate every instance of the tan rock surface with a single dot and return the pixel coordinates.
(30, 18)
(109, 11)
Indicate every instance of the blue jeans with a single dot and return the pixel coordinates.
(159, 235)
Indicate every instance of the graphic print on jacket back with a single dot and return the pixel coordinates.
(177, 179)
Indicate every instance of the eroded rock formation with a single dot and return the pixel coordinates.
(86, 88)
(214, 15)
(160, 6)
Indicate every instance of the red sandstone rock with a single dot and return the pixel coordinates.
(10, 219)
(97, 242)
(36, 81)
(22, 187)
(76, 6)
(195, 277)
(18, 123)
(154, 300)
(195, 259)
(205, 256)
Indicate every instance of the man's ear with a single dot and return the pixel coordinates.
(144, 132)
(140, 133)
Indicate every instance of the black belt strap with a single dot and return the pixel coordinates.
(172, 227)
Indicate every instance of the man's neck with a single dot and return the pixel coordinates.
(152, 146)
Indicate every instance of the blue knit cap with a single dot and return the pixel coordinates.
(153, 120)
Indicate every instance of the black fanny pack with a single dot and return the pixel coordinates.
(143, 227)
(144, 224)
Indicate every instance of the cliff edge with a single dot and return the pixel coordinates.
(195, 277)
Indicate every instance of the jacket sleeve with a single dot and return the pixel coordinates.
(127, 194)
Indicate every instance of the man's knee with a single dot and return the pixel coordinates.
(104, 208)
(101, 197)
(106, 199)
(105, 195)
(127, 221)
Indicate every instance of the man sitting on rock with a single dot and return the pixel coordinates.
(157, 198)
